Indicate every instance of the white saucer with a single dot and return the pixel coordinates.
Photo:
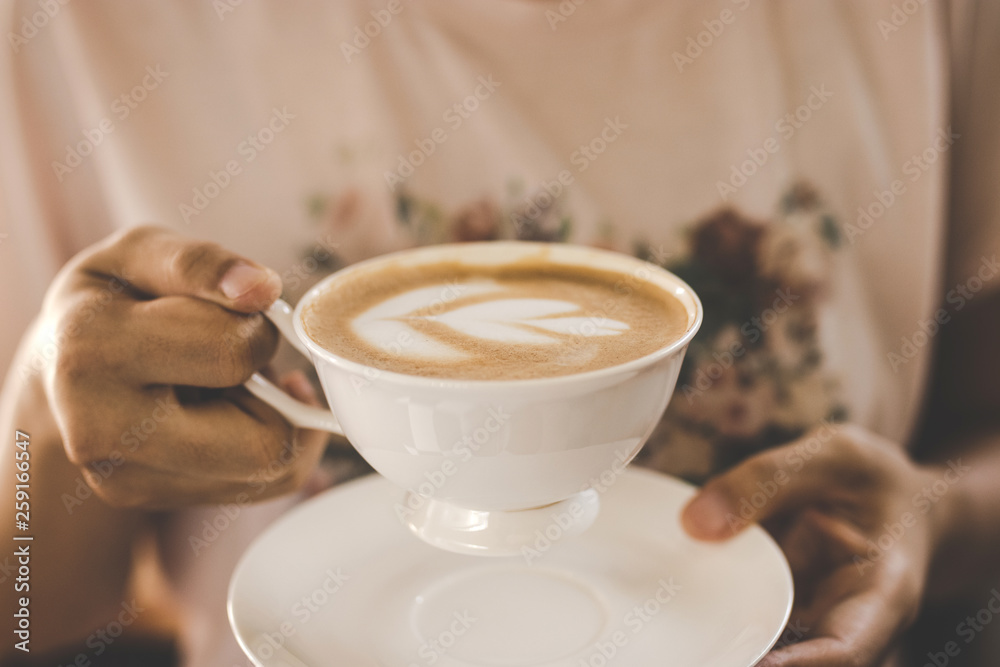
(341, 582)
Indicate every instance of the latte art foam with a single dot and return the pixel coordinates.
(517, 321)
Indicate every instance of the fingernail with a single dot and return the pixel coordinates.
(705, 516)
(240, 279)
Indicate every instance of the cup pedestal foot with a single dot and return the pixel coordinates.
(499, 532)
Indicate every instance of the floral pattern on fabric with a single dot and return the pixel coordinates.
(753, 377)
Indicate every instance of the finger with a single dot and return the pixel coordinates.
(816, 543)
(823, 652)
(186, 341)
(287, 467)
(205, 452)
(133, 485)
(764, 486)
(298, 385)
(229, 437)
(854, 616)
(236, 437)
(805, 551)
(287, 444)
(818, 547)
(138, 486)
(158, 262)
(857, 631)
(753, 491)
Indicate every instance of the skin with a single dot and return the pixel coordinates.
(172, 328)
(855, 601)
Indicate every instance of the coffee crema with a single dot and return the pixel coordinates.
(526, 319)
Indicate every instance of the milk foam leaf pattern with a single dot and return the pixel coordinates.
(526, 321)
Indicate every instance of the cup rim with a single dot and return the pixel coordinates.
(679, 287)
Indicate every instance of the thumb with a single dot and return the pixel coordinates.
(159, 262)
(763, 486)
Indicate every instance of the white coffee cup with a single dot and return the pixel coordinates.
(489, 463)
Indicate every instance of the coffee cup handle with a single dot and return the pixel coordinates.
(296, 412)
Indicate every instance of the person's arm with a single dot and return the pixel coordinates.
(81, 552)
(116, 425)
(964, 406)
(868, 531)
(965, 425)
(116, 352)
(858, 544)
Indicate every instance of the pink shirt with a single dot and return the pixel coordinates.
(802, 165)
